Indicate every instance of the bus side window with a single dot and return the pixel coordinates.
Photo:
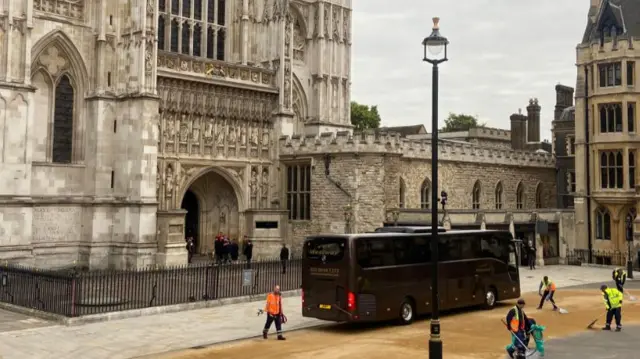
(376, 253)
(402, 249)
(421, 250)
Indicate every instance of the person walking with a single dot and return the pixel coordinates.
(233, 250)
(284, 257)
(275, 314)
(613, 303)
(546, 290)
(531, 255)
(248, 251)
(191, 249)
(619, 277)
(517, 322)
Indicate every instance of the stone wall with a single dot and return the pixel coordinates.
(368, 169)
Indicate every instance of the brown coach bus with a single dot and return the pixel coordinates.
(383, 276)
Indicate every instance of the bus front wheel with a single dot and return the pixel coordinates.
(490, 298)
(407, 311)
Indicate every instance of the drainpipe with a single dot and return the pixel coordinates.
(587, 160)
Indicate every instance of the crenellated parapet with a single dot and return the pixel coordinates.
(344, 142)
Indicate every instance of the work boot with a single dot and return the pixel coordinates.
(606, 327)
(280, 337)
(264, 335)
(540, 307)
(618, 329)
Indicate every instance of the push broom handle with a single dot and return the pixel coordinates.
(512, 333)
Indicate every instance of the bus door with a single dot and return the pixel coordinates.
(325, 277)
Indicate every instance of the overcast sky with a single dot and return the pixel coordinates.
(501, 54)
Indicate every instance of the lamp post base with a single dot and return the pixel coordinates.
(630, 269)
(435, 344)
(435, 348)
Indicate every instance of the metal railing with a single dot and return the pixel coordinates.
(73, 293)
(601, 257)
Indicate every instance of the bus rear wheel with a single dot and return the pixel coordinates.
(490, 298)
(407, 312)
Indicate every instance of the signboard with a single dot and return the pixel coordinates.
(247, 277)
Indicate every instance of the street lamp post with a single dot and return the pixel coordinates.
(629, 237)
(435, 53)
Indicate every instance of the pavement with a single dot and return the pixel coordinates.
(144, 336)
(596, 344)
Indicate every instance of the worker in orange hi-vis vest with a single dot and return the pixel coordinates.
(273, 308)
(546, 290)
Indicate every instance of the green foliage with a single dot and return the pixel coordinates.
(460, 122)
(364, 117)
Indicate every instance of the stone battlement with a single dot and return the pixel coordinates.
(490, 133)
(369, 142)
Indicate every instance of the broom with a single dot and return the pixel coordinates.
(590, 326)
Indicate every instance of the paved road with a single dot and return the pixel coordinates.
(161, 333)
(595, 344)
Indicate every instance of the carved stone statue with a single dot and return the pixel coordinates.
(184, 129)
(168, 181)
(265, 135)
(208, 130)
(170, 130)
(220, 129)
(253, 184)
(254, 135)
(232, 133)
(243, 134)
(265, 183)
(195, 130)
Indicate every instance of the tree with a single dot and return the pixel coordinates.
(364, 117)
(460, 122)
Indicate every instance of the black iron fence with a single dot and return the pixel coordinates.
(73, 293)
(601, 257)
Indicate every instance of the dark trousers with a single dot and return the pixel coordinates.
(189, 256)
(544, 296)
(532, 260)
(284, 266)
(273, 319)
(614, 313)
(620, 286)
(249, 263)
(518, 348)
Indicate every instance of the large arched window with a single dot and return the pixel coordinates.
(611, 169)
(499, 195)
(520, 196)
(58, 74)
(193, 27)
(425, 193)
(401, 193)
(539, 196)
(475, 195)
(603, 224)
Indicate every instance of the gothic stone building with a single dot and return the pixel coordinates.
(115, 115)
(126, 125)
(606, 126)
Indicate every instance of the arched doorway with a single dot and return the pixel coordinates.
(214, 209)
(192, 218)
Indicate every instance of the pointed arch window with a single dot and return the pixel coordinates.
(401, 194)
(475, 195)
(498, 195)
(425, 194)
(539, 196)
(55, 76)
(194, 27)
(520, 196)
(603, 224)
(62, 142)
